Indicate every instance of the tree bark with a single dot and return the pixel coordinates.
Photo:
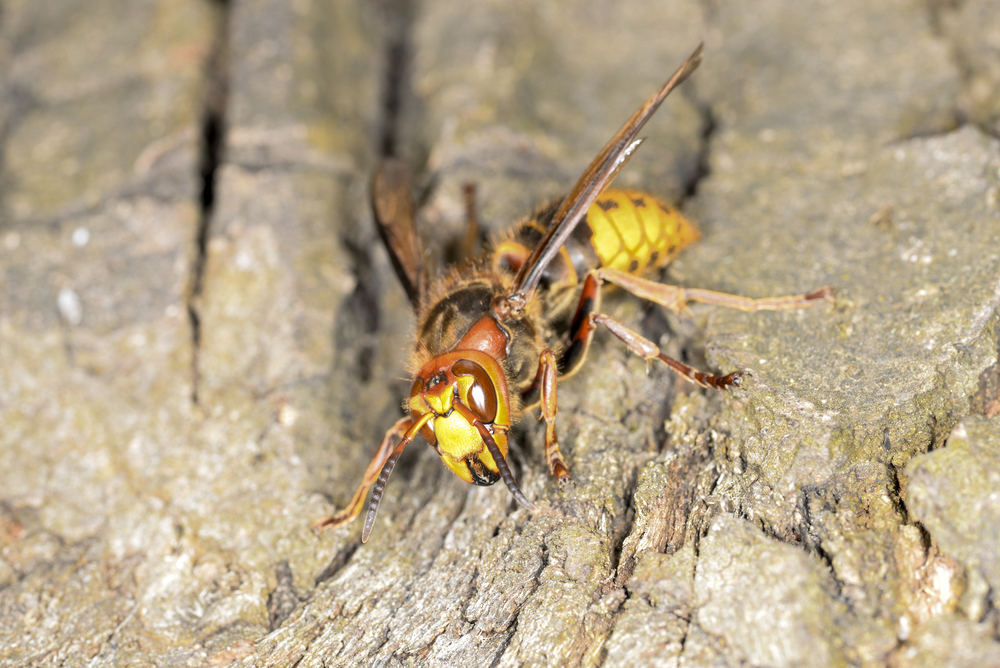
(202, 340)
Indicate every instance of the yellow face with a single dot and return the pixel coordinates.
(462, 388)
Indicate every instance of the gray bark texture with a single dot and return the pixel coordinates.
(202, 340)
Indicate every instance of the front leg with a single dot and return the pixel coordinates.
(385, 449)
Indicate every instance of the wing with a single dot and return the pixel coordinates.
(392, 202)
(588, 187)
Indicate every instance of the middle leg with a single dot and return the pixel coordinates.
(587, 318)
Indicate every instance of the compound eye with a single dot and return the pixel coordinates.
(418, 384)
(482, 395)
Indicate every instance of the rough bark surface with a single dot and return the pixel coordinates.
(202, 340)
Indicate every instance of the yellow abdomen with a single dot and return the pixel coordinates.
(632, 230)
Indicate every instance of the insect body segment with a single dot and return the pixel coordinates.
(633, 231)
(476, 381)
(624, 230)
(495, 336)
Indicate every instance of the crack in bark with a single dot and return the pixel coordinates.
(386, 631)
(602, 657)
(20, 100)
(618, 542)
(360, 311)
(701, 171)
(515, 618)
(423, 502)
(415, 576)
(895, 487)
(693, 610)
(963, 112)
(338, 562)
(500, 651)
(283, 600)
(812, 542)
(398, 17)
(986, 400)
(471, 593)
(212, 146)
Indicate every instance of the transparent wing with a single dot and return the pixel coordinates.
(589, 186)
(392, 203)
